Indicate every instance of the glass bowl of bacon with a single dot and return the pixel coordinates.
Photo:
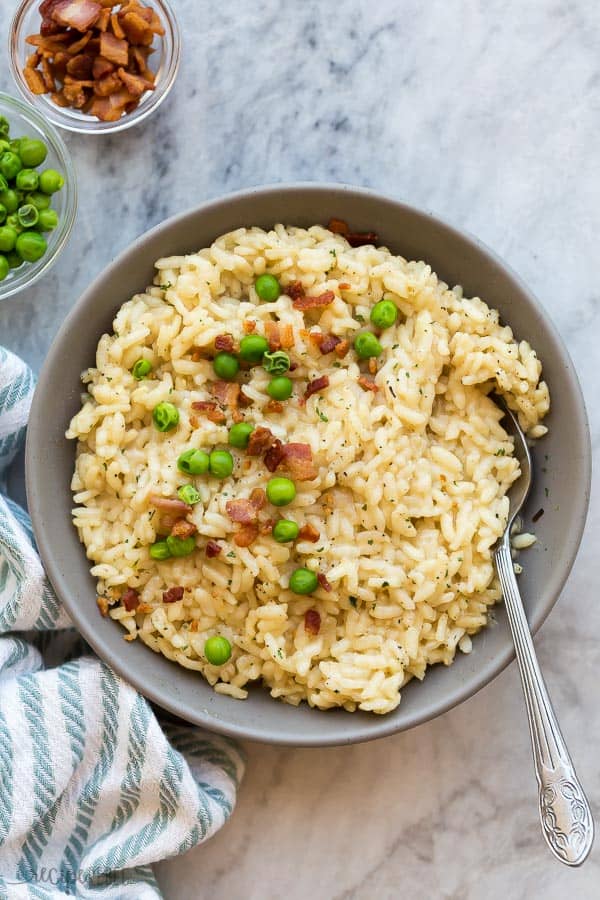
(95, 66)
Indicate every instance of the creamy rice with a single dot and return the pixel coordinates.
(410, 495)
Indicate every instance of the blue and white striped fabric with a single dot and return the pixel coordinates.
(92, 789)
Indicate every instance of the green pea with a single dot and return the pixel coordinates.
(239, 434)
(226, 366)
(27, 180)
(164, 415)
(32, 151)
(181, 546)
(280, 491)
(220, 463)
(267, 287)
(217, 650)
(10, 164)
(4, 267)
(39, 200)
(15, 145)
(50, 181)
(303, 581)
(13, 222)
(189, 494)
(4, 145)
(367, 345)
(384, 314)
(280, 388)
(4, 126)
(160, 550)
(31, 246)
(48, 220)
(13, 259)
(28, 215)
(3, 183)
(3, 212)
(277, 362)
(285, 530)
(253, 347)
(141, 368)
(193, 462)
(10, 200)
(8, 238)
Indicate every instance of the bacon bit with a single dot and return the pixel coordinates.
(266, 527)
(272, 335)
(135, 84)
(169, 504)
(338, 226)
(103, 20)
(102, 67)
(212, 549)
(194, 626)
(77, 14)
(79, 66)
(237, 416)
(136, 29)
(372, 365)
(226, 393)
(81, 44)
(286, 337)
(224, 342)
(249, 325)
(196, 355)
(323, 582)
(246, 465)
(34, 80)
(103, 605)
(194, 421)
(260, 440)
(116, 26)
(298, 459)
(312, 621)
(113, 49)
(295, 290)
(183, 529)
(367, 384)
(209, 408)
(258, 498)
(244, 400)
(359, 239)
(274, 455)
(145, 608)
(130, 599)
(274, 406)
(32, 60)
(139, 57)
(246, 535)
(48, 76)
(172, 595)
(329, 343)
(308, 532)
(315, 302)
(107, 85)
(49, 27)
(344, 286)
(316, 385)
(242, 511)
(111, 108)
(341, 349)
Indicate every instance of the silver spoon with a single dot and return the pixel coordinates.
(565, 814)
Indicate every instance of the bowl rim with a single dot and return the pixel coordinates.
(30, 113)
(92, 126)
(385, 725)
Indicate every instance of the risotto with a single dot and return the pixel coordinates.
(290, 469)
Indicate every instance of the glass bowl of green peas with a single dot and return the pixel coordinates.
(38, 195)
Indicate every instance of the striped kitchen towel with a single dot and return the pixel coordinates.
(93, 789)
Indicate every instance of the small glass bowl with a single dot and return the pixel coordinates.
(164, 62)
(25, 121)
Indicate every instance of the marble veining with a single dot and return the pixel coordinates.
(488, 113)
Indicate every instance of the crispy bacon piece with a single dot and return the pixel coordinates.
(80, 44)
(103, 20)
(367, 384)
(286, 336)
(338, 226)
(249, 325)
(244, 400)
(212, 549)
(135, 84)
(101, 67)
(325, 342)
(312, 621)
(113, 49)
(295, 290)
(139, 57)
(266, 527)
(274, 406)
(316, 385)
(246, 535)
(344, 286)
(79, 66)
(172, 595)
(103, 605)
(260, 440)
(272, 335)
(274, 455)
(130, 599)
(297, 458)
(224, 342)
(75, 93)
(314, 302)
(169, 504)
(341, 349)
(209, 408)
(34, 80)
(137, 30)
(373, 365)
(242, 511)
(308, 532)
(47, 75)
(108, 85)
(226, 393)
(258, 498)
(77, 14)
(111, 108)
(323, 582)
(116, 26)
(360, 238)
(183, 529)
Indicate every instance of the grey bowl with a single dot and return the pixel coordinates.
(561, 461)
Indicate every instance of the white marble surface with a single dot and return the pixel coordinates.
(487, 112)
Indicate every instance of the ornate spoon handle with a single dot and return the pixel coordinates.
(565, 813)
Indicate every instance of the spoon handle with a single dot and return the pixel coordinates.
(565, 813)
